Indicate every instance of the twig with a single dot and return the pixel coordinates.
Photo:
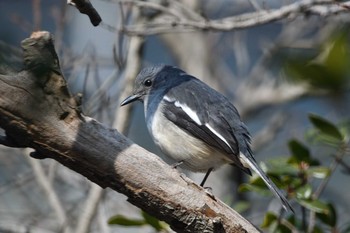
(345, 165)
(289, 225)
(270, 93)
(90, 207)
(52, 171)
(102, 219)
(36, 15)
(338, 157)
(85, 7)
(188, 11)
(154, 6)
(255, 5)
(118, 47)
(19, 181)
(44, 183)
(133, 65)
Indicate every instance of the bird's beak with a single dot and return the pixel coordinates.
(130, 99)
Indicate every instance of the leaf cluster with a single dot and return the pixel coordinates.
(296, 175)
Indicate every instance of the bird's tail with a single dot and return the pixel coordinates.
(253, 165)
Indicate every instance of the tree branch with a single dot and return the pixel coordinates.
(177, 20)
(85, 7)
(38, 111)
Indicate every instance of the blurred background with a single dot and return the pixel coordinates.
(276, 72)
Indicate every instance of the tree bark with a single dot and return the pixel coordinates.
(38, 111)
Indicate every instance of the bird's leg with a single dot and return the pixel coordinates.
(175, 165)
(206, 176)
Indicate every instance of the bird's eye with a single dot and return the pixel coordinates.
(147, 82)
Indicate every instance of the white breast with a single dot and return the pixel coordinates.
(180, 146)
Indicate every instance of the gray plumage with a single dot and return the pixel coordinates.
(195, 125)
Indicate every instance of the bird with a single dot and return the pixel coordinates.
(195, 125)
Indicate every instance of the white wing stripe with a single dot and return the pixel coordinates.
(217, 134)
(167, 98)
(192, 114)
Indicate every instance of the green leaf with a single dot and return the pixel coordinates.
(314, 136)
(314, 205)
(294, 182)
(325, 67)
(330, 218)
(335, 55)
(269, 219)
(241, 206)
(256, 184)
(304, 192)
(258, 189)
(325, 127)
(300, 153)
(317, 229)
(292, 219)
(154, 222)
(124, 221)
(344, 128)
(318, 172)
(281, 166)
(282, 229)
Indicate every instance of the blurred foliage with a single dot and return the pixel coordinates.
(296, 174)
(322, 68)
(328, 69)
(241, 206)
(147, 220)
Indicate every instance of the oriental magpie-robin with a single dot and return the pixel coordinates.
(195, 125)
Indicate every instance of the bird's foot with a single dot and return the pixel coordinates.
(175, 165)
(209, 192)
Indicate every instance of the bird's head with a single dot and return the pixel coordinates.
(153, 79)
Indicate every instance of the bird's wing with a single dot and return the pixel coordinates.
(209, 116)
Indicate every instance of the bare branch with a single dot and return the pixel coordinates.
(268, 94)
(91, 206)
(45, 184)
(175, 21)
(85, 7)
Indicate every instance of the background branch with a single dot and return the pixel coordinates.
(85, 7)
(46, 185)
(91, 205)
(177, 19)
